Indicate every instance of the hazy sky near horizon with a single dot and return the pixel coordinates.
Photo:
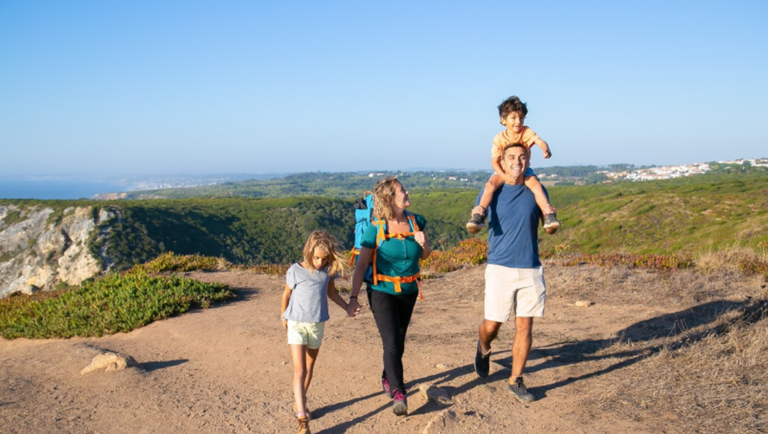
(198, 87)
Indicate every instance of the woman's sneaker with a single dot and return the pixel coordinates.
(551, 221)
(385, 386)
(476, 223)
(520, 391)
(399, 403)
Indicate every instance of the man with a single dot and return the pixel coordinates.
(514, 278)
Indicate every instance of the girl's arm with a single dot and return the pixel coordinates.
(366, 254)
(334, 295)
(284, 305)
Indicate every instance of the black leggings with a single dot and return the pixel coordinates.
(392, 314)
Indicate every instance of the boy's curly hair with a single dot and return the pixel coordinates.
(511, 105)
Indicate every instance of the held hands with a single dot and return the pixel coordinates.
(353, 308)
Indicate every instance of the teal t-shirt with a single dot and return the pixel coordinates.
(395, 258)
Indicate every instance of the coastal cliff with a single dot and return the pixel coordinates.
(42, 246)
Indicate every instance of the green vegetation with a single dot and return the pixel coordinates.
(112, 304)
(11, 218)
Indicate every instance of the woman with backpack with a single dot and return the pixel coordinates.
(392, 245)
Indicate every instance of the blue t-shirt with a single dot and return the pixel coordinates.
(309, 299)
(513, 223)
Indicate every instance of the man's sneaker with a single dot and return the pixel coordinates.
(399, 403)
(476, 223)
(303, 425)
(385, 386)
(482, 361)
(551, 221)
(520, 391)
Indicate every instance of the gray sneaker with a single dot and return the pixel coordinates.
(551, 221)
(520, 391)
(476, 223)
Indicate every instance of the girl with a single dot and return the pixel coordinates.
(304, 310)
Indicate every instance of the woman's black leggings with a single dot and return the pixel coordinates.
(392, 314)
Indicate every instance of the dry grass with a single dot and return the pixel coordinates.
(701, 368)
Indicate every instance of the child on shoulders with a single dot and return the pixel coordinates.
(512, 114)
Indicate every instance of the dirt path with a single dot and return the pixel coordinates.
(228, 369)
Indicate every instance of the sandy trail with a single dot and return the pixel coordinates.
(228, 369)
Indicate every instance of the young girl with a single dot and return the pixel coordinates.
(304, 310)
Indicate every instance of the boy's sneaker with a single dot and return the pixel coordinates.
(476, 223)
(482, 361)
(303, 425)
(520, 391)
(385, 386)
(399, 403)
(551, 221)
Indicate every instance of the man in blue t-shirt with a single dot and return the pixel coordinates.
(514, 278)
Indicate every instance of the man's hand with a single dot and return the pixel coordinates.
(477, 210)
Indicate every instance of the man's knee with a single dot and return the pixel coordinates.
(489, 328)
(523, 325)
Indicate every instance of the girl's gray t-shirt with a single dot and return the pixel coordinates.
(309, 299)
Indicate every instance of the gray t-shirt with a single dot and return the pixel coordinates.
(309, 299)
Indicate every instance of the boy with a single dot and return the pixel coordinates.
(512, 113)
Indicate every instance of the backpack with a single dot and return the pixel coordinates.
(364, 218)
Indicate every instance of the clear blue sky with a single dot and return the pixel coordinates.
(166, 87)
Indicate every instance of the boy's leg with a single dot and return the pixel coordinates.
(476, 223)
(550, 219)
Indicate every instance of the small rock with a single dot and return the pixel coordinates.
(109, 362)
(436, 394)
(439, 422)
(441, 366)
(583, 303)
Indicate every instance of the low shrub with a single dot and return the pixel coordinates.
(112, 304)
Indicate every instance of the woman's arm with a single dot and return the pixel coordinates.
(366, 254)
(284, 305)
(334, 295)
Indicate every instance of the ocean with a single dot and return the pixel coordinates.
(51, 188)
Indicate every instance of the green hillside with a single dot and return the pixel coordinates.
(681, 216)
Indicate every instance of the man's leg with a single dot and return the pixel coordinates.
(521, 347)
(487, 333)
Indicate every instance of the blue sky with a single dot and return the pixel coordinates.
(197, 87)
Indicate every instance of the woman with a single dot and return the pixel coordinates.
(394, 244)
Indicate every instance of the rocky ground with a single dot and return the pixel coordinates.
(228, 368)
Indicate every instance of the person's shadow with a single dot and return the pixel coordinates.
(677, 325)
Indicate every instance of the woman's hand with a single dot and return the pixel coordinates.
(420, 238)
(353, 308)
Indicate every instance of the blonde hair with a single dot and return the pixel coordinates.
(383, 193)
(324, 241)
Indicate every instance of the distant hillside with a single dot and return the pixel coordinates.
(681, 216)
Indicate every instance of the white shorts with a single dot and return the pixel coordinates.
(306, 333)
(521, 289)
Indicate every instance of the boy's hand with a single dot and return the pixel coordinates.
(547, 153)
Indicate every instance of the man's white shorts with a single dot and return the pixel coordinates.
(521, 289)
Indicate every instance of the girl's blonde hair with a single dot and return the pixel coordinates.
(323, 240)
(383, 193)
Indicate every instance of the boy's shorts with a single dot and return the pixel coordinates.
(521, 289)
(306, 333)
